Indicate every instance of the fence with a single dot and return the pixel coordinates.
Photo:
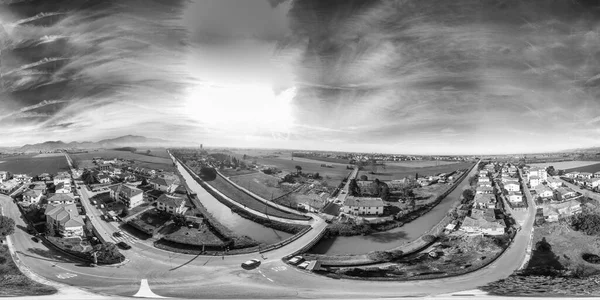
(308, 245)
(286, 241)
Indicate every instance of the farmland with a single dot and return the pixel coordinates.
(261, 184)
(565, 165)
(333, 176)
(31, 165)
(589, 168)
(392, 172)
(141, 160)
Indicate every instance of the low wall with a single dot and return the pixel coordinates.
(286, 241)
(308, 245)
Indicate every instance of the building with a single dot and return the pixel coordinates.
(130, 196)
(555, 211)
(63, 178)
(483, 179)
(544, 191)
(592, 182)
(102, 178)
(484, 184)
(4, 176)
(554, 183)
(56, 199)
(32, 196)
(484, 201)
(512, 186)
(363, 206)
(515, 197)
(173, 204)
(9, 186)
(487, 214)
(64, 220)
(597, 175)
(550, 214)
(572, 174)
(538, 172)
(481, 226)
(564, 193)
(61, 188)
(163, 184)
(22, 178)
(586, 175)
(484, 190)
(534, 181)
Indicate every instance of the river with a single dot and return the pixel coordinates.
(229, 219)
(394, 237)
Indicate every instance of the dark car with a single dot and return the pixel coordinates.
(123, 245)
(251, 264)
(35, 239)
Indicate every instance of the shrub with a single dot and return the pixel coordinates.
(429, 238)
(589, 223)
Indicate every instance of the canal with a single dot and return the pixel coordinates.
(394, 237)
(230, 219)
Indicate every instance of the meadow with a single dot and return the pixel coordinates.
(261, 184)
(392, 172)
(31, 165)
(564, 165)
(333, 176)
(141, 160)
(589, 168)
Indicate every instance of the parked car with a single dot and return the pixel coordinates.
(35, 239)
(295, 260)
(251, 264)
(123, 245)
(118, 233)
(304, 265)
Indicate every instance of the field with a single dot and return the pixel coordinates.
(142, 160)
(565, 165)
(261, 184)
(157, 152)
(14, 283)
(420, 163)
(26, 164)
(235, 194)
(589, 168)
(398, 172)
(49, 155)
(194, 236)
(333, 176)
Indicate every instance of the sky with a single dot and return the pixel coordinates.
(414, 77)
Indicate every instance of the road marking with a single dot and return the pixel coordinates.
(265, 276)
(280, 268)
(66, 275)
(145, 292)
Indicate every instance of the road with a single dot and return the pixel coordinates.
(343, 194)
(178, 275)
(582, 191)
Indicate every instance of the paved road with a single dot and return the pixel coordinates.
(583, 191)
(344, 192)
(179, 275)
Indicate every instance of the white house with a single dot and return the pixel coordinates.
(512, 186)
(484, 179)
(483, 201)
(592, 182)
(515, 197)
(171, 203)
(534, 181)
(585, 175)
(564, 193)
(128, 195)
(163, 184)
(63, 178)
(471, 225)
(597, 175)
(543, 191)
(572, 174)
(64, 220)
(538, 172)
(554, 183)
(4, 175)
(56, 199)
(32, 196)
(484, 190)
(363, 206)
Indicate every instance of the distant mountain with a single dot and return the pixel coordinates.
(123, 141)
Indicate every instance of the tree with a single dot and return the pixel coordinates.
(364, 177)
(124, 212)
(144, 181)
(317, 175)
(353, 189)
(244, 157)
(298, 169)
(429, 238)
(551, 171)
(589, 223)
(7, 226)
(384, 192)
(561, 172)
(148, 152)
(108, 253)
(468, 194)
(416, 176)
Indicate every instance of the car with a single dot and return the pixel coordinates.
(124, 245)
(35, 239)
(118, 233)
(304, 265)
(295, 260)
(250, 264)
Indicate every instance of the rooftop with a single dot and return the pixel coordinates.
(171, 200)
(364, 202)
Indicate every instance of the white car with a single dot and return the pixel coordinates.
(295, 260)
(253, 263)
(304, 265)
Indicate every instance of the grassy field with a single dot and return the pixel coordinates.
(333, 176)
(49, 155)
(589, 168)
(14, 284)
(235, 194)
(194, 236)
(564, 165)
(141, 160)
(261, 184)
(398, 172)
(420, 163)
(232, 172)
(27, 164)
(157, 152)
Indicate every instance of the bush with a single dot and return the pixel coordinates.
(429, 238)
(589, 223)
(7, 226)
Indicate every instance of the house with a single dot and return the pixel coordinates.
(483, 179)
(483, 173)
(550, 214)
(484, 184)
(538, 172)
(9, 186)
(180, 189)
(102, 178)
(103, 168)
(512, 186)
(64, 178)
(564, 193)
(32, 196)
(367, 187)
(363, 206)
(515, 197)
(56, 199)
(572, 174)
(487, 214)
(22, 178)
(555, 211)
(544, 191)
(554, 183)
(471, 225)
(587, 175)
(163, 184)
(592, 182)
(506, 179)
(44, 177)
(130, 196)
(484, 190)
(61, 188)
(4, 175)
(173, 204)
(64, 220)
(534, 181)
(597, 175)
(484, 201)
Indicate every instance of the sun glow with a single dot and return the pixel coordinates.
(245, 110)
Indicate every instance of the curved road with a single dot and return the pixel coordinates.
(185, 276)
